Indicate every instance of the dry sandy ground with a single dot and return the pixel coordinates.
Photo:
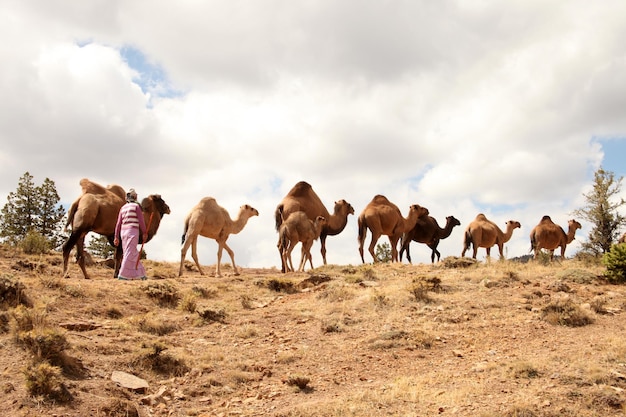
(410, 340)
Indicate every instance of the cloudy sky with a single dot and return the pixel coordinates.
(505, 108)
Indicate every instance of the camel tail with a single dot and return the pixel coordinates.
(184, 232)
(362, 229)
(70, 215)
(467, 241)
(278, 214)
(533, 242)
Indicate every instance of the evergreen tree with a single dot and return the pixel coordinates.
(32, 209)
(51, 214)
(99, 246)
(383, 252)
(601, 211)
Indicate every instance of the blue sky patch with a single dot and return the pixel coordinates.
(152, 77)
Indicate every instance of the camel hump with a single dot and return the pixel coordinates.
(301, 189)
(546, 219)
(207, 202)
(90, 187)
(481, 217)
(380, 199)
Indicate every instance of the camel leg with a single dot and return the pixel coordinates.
(183, 252)
(323, 250)
(67, 248)
(117, 259)
(80, 254)
(194, 254)
(375, 237)
(405, 248)
(306, 255)
(223, 245)
(393, 241)
(288, 261)
(501, 249)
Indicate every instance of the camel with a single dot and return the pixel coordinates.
(383, 217)
(548, 235)
(302, 198)
(96, 211)
(210, 220)
(427, 231)
(299, 228)
(483, 233)
(622, 239)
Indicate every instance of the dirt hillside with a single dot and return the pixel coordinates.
(498, 339)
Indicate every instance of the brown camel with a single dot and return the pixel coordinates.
(483, 233)
(299, 228)
(96, 211)
(383, 217)
(427, 231)
(210, 220)
(548, 235)
(302, 198)
(622, 239)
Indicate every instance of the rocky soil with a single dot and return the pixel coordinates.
(499, 339)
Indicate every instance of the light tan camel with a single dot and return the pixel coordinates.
(299, 228)
(96, 211)
(483, 233)
(427, 231)
(548, 235)
(622, 239)
(210, 220)
(382, 217)
(302, 198)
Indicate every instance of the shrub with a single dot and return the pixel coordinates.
(566, 313)
(34, 244)
(12, 293)
(615, 262)
(45, 380)
(44, 343)
(165, 294)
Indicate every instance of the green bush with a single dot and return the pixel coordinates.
(35, 244)
(615, 262)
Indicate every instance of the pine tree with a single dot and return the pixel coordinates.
(32, 209)
(99, 246)
(51, 214)
(601, 211)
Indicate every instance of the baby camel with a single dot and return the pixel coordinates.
(209, 219)
(299, 228)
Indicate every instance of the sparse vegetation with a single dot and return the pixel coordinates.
(488, 343)
(615, 262)
(565, 312)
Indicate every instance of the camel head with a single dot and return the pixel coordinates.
(154, 203)
(453, 221)
(248, 210)
(421, 211)
(343, 207)
(573, 224)
(320, 221)
(512, 224)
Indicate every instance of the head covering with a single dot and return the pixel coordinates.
(131, 195)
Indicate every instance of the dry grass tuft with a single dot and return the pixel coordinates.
(156, 326)
(12, 293)
(164, 293)
(282, 285)
(299, 381)
(43, 379)
(565, 312)
(152, 358)
(208, 314)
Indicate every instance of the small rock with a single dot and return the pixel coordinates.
(129, 381)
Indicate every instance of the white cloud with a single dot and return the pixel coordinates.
(462, 107)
